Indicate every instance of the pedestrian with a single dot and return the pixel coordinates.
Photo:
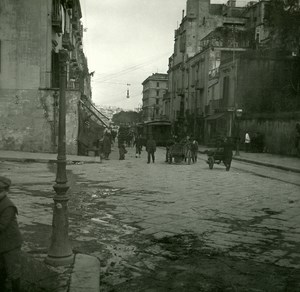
(247, 142)
(194, 150)
(138, 146)
(121, 136)
(101, 152)
(122, 151)
(106, 145)
(10, 240)
(151, 148)
(170, 142)
(227, 152)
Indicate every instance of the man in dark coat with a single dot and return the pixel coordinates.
(106, 145)
(151, 148)
(10, 240)
(138, 142)
(227, 154)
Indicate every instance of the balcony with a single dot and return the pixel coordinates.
(75, 24)
(214, 73)
(57, 22)
(180, 92)
(66, 42)
(199, 84)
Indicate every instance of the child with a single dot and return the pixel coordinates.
(122, 151)
(10, 239)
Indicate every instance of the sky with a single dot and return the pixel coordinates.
(125, 41)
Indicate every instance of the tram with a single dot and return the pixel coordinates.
(160, 130)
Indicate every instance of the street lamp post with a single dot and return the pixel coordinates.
(60, 252)
(55, 107)
(238, 114)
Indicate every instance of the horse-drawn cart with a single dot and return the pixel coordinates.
(179, 152)
(217, 156)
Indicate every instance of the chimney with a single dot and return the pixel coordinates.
(182, 13)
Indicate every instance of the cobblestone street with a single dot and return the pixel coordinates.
(161, 227)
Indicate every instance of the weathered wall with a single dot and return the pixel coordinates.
(24, 63)
(26, 111)
(27, 122)
(25, 44)
(72, 123)
(22, 123)
(279, 134)
(47, 104)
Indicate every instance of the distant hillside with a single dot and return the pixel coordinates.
(109, 111)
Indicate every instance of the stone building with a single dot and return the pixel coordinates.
(32, 33)
(196, 59)
(154, 88)
(225, 63)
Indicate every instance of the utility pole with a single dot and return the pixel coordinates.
(60, 252)
(55, 107)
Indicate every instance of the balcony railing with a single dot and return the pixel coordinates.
(66, 42)
(57, 22)
(214, 73)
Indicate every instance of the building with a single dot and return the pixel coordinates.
(227, 62)
(205, 31)
(154, 89)
(32, 33)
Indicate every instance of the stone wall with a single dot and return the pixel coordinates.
(279, 135)
(27, 120)
(23, 126)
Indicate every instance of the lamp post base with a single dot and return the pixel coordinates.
(59, 261)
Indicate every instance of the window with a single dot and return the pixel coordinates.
(157, 101)
(157, 84)
(157, 92)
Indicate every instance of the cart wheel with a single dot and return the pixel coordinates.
(210, 161)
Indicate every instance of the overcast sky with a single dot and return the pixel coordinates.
(126, 41)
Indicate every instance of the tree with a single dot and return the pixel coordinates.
(283, 17)
(127, 117)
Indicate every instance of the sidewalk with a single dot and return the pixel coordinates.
(82, 275)
(20, 156)
(265, 159)
(271, 160)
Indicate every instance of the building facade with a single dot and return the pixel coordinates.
(154, 89)
(206, 31)
(228, 62)
(32, 33)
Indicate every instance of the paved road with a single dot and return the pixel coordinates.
(161, 227)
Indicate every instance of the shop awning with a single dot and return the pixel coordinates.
(215, 116)
(158, 123)
(94, 114)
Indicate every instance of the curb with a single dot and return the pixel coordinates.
(286, 168)
(43, 160)
(86, 274)
(268, 164)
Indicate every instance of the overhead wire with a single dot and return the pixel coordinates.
(127, 70)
